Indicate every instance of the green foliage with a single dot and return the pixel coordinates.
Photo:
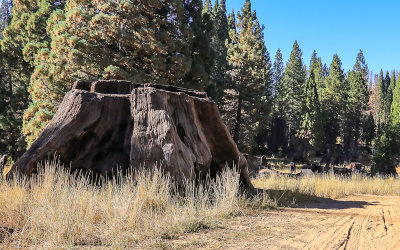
(221, 35)
(368, 129)
(356, 103)
(381, 101)
(386, 150)
(278, 92)
(152, 41)
(250, 72)
(333, 101)
(395, 107)
(12, 105)
(201, 54)
(312, 123)
(25, 40)
(293, 82)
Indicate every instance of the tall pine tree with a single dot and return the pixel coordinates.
(381, 106)
(221, 35)
(293, 84)
(356, 103)
(332, 100)
(250, 72)
(141, 41)
(277, 87)
(312, 123)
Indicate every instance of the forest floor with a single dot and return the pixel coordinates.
(354, 222)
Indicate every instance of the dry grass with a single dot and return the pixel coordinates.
(332, 186)
(58, 210)
(398, 170)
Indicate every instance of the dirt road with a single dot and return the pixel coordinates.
(358, 222)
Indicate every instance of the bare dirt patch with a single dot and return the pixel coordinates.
(355, 222)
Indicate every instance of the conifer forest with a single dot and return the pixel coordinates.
(298, 109)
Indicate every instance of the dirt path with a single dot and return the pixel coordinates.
(358, 222)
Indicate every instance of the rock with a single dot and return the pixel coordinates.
(307, 173)
(104, 124)
(267, 172)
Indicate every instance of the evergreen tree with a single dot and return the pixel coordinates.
(231, 24)
(356, 103)
(207, 7)
(202, 54)
(24, 39)
(277, 87)
(368, 132)
(333, 101)
(277, 139)
(218, 72)
(325, 71)
(312, 124)
(386, 149)
(12, 105)
(381, 106)
(395, 108)
(216, 7)
(250, 72)
(152, 41)
(390, 82)
(293, 85)
(12, 98)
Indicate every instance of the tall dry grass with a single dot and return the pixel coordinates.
(59, 210)
(332, 186)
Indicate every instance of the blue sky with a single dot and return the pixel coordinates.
(332, 26)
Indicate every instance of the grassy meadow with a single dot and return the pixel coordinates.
(331, 185)
(57, 209)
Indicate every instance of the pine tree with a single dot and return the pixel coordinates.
(333, 101)
(207, 7)
(390, 83)
(293, 84)
(24, 39)
(277, 139)
(368, 132)
(231, 25)
(250, 72)
(383, 158)
(152, 41)
(216, 7)
(12, 98)
(202, 54)
(356, 103)
(277, 88)
(395, 108)
(221, 35)
(381, 106)
(312, 123)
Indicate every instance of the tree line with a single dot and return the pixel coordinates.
(278, 108)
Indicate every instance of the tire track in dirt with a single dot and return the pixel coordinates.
(356, 222)
(371, 227)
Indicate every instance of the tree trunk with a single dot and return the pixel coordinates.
(236, 131)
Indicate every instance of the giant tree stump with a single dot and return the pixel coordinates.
(105, 126)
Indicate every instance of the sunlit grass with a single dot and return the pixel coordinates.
(56, 209)
(330, 185)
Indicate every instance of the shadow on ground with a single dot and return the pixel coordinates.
(286, 198)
